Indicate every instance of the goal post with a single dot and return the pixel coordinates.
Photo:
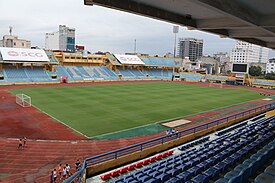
(23, 100)
(216, 85)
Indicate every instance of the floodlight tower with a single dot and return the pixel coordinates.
(175, 31)
(10, 30)
(135, 46)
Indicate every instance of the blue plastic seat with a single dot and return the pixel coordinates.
(221, 166)
(211, 172)
(270, 170)
(231, 174)
(201, 178)
(195, 170)
(144, 178)
(174, 172)
(152, 180)
(222, 180)
(184, 176)
(174, 180)
(155, 174)
(185, 166)
(264, 178)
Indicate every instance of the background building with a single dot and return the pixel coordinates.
(270, 66)
(52, 41)
(210, 64)
(13, 42)
(248, 53)
(63, 40)
(190, 47)
(224, 61)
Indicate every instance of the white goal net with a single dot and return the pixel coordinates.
(23, 100)
(216, 85)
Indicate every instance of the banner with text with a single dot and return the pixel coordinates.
(129, 59)
(23, 55)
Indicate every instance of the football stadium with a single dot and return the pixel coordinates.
(130, 118)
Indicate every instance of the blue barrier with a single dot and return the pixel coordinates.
(79, 175)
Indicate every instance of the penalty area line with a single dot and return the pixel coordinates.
(119, 131)
(61, 122)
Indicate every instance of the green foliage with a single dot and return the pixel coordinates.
(255, 70)
(270, 76)
(228, 72)
(100, 109)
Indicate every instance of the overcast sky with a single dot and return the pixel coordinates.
(98, 28)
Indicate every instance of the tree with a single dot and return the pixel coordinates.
(270, 76)
(255, 70)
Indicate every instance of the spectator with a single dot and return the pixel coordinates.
(77, 164)
(167, 132)
(51, 177)
(20, 145)
(24, 140)
(68, 169)
(60, 171)
(64, 172)
(54, 175)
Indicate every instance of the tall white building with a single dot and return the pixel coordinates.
(270, 66)
(63, 40)
(248, 53)
(52, 41)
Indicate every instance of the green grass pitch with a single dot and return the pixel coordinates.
(99, 109)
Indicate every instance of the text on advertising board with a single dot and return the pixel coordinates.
(24, 54)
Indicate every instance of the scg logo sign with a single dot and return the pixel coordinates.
(24, 54)
(129, 59)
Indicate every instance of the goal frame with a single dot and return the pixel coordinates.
(215, 85)
(23, 100)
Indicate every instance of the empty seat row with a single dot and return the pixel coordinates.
(268, 176)
(136, 165)
(193, 143)
(248, 168)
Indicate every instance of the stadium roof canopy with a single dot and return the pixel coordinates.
(248, 20)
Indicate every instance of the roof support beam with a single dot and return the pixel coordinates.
(271, 45)
(236, 11)
(223, 32)
(246, 33)
(233, 9)
(268, 21)
(220, 23)
(145, 10)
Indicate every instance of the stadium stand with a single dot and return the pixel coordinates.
(61, 71)
(160, 62)
(16, 75)
(81, 73)
(51, 57)
(210, 159)
(264, 83)
(138, 74)
(191, 77)
(215, 78)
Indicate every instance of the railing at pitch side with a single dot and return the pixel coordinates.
(78, 176)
